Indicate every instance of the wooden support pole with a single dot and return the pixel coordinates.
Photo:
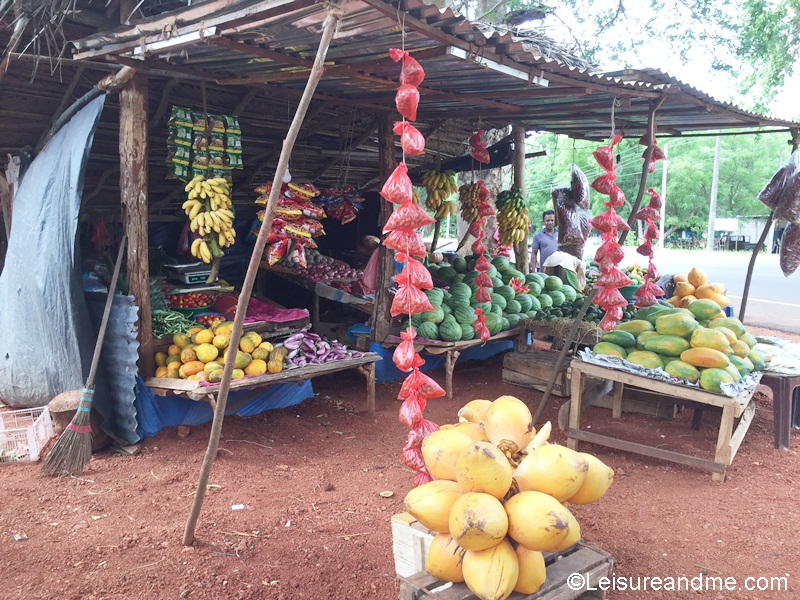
(133, 153)
(381, 320)
(751, 266)
(330, 25)
(520, 248)
(651, 121)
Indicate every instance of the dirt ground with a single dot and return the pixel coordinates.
(315, 526)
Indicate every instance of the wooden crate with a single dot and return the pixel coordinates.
(411, 541)
(533, 369)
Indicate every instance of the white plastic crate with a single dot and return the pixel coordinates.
(23, 434)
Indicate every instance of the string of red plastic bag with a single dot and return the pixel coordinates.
(410, 298)
(610, 253)
(479, 151)
(647, 293)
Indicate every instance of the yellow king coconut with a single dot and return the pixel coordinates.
(481, 467)
(573, 535)
(532, 571)
(491, 574)
(440, 451)
(538, 521)
(474, 411)
(431, 503)
(478, 521)
(596, 481)
(444, 558)
(473, 430)
(510, 419)
(552, 469)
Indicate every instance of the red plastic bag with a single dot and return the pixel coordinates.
(485, 209)
(483, 280)
(414, 273)
(655, 200)
(412, 72)
(482, 294)
(771, 193)
(476, 139)
(790, 249)
(609, 297)
(616, 197)
(609, 222)
(407, 242)
(652, 232)
(419, 383)
(610, 251)
(481, 154)
(409, 301)
(613, 278)
(398, 187)
(648, 212)
(658, 153)
(405, 357)
(605, 183)
(604, 156)
(406, 100)
(478, 247)
(648, 287)
(411, 410)
(611, 318)
(411, 139)
(407, 216)
(422, 477)
(412, 458)
(646, 249)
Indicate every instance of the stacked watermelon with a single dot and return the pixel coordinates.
(513, 296)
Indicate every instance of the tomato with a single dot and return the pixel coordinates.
(189, 300)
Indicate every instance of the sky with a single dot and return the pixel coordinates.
(697, 72)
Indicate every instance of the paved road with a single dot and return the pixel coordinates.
(774, 300)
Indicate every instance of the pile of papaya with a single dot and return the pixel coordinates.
(698, 344)
(694, 285)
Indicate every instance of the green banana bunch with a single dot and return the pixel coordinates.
(468, 195)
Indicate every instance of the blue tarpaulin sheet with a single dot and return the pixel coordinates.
(154, 412)
(386, 371)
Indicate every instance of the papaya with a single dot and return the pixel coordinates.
(644, 358)
(697, 277)
(161, 370)
(742, 364)
(161, 359)
(181, 340)
(253, 337)
(642, 338)
(684, 289)
(190, 368)
(213, 366)
(192, 330)
(735, 325)
(173, 350)
(609, 349)
(705, 309)
(676, 324)
(174, 359)
(740, 348)
(246, 345)
(221, 340)
(188, 355)
(731, 337)
(682, 370)
(671, 345)
(712, 379)
(757, 359)
(236, 374)
(260, 354)
(734, 372)
(222, 326)
(635, 327)
(643, 313)
(206, 352)
(682, 278)
(256, 367)
(620, 338)
(709, 338)
(705, 357)
(749, 339)
(204, 336)
(242, 359)
(215, 376)
(651, 318)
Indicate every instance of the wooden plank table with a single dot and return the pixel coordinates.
(200, 391)
(740, 407)
(451, 350)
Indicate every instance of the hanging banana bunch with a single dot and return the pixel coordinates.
(209, 208)
(468, 197)
(512, 216)
(439, 187)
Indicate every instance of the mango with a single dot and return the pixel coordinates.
(161, 359)
(188, 355)
(161, 371)
(206, 352)
(246, 345)
(204, 336)
(181, 340)
(190, 368)
(256, 367)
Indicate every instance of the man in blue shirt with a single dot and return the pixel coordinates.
(545, 242)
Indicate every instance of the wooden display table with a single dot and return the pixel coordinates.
(741, 407)
(196, 390)
(451, 350)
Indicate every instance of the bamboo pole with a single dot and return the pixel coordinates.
(332, 21)
(795, 141)
(651, 120)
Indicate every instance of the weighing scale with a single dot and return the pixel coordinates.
(189, 273)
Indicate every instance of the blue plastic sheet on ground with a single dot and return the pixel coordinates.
(386, 371)
(154, 412)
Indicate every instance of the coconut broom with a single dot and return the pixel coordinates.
(73, 450)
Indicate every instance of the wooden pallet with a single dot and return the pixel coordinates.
(411, 541)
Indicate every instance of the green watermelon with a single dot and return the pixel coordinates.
(470, 277)
(513, 320)
(534, 288)
(532, 314)
(513, 308)
(460, 264)
(458, 278)
(465, 315)
(569, 292)
(435, 295)
(449, 330)
(494, 323)
(496, 310)
(512, 274)
(545, 301)
(505, 291)
(497, 282)
(484, 306)
(558, 297)
(467, 333)
(501, 263)
(446, 309)
(535, 304)
(553, 283)
(432, 316)
(505, 324)
(493, 272)
(428, 331)
(525, 302)
(461, 290)
(446, 273)
(498, 300)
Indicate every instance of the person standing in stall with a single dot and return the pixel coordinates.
(545, 242)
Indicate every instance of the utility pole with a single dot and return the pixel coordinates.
(663, 199)
(712, 211)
